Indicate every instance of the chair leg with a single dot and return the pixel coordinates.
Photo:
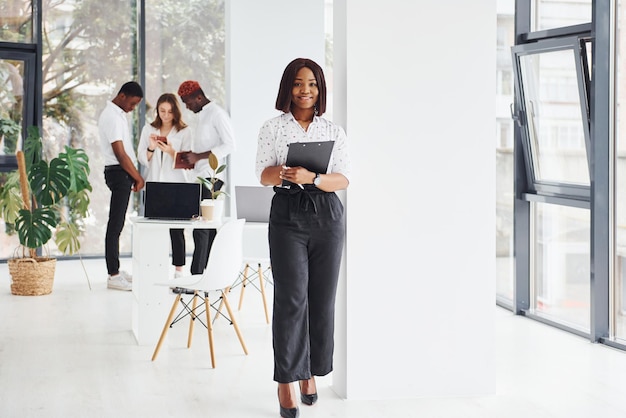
(219, 308)
(262, 283)
(244, 280)
(192, 319)
(209, 326)
(166, 327)
(234, 321)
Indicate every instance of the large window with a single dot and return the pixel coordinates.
(554, 176)
(89, 49)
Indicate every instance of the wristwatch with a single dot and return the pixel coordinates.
(317, 180)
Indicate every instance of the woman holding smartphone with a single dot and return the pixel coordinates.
(159, 142)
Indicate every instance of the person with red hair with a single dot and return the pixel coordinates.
(213, 135)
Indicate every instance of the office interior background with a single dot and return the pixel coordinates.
(558, 192)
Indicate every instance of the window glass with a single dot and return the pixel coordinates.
(11, 105)
(550, 14)
(561, 264)
(16, 21)
(88, 53)
(555, 124)
(175, 52)
(504, 154)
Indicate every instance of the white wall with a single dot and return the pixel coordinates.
(419, 299)
(414, 88)
(262, 38)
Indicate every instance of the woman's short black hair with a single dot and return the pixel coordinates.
(283, 101)
(131, 89)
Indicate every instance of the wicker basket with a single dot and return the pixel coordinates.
(32, 276)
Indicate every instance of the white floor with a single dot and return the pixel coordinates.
(72, 354)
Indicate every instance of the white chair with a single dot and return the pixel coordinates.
(225, 260)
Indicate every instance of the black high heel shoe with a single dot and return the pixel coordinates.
(307, 399)
(288, 412)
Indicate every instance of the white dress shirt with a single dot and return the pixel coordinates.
(113, 127)
(161, 165)
(278, 132)
(214, 133)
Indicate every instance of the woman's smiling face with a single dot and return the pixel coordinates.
(304, 92)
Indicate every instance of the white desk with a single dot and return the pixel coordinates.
(151, 264)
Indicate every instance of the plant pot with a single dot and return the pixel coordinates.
(32, 276)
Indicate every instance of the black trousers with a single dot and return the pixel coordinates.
(203, 238)
(177, 237)
(306, 236)
(120, 184)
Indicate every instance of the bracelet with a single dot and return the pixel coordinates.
(150, 150)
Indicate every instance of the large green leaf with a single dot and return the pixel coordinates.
(79, 202)
(78, 164)
(35, 228)
(32, 147)
(66, 238)
(49, 183)
(10, 198)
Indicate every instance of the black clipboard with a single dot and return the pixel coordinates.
(314, 156)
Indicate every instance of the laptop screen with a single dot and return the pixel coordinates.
(172, 200)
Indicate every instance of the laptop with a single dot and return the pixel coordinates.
(172, 201)
(253, 203)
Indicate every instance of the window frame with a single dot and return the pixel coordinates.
(577, 44)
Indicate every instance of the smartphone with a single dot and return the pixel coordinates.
(162, 139)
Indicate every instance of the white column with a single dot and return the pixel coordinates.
(416, 314)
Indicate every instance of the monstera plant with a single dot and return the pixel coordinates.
(46, 199)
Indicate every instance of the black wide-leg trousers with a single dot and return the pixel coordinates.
(306, 236)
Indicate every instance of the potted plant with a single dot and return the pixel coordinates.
(217, 196)
(52, 202)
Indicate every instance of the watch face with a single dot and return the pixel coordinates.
(317, 180)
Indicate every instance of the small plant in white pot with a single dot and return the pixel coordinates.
(216, 203)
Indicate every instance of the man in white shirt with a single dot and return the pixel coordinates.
(214, 134)
(120, 173)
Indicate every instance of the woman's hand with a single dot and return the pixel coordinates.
(298, 175)
(152, 144)
(166, 148)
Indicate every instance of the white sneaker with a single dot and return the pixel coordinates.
(178, 274)
(127, 276)
(119, 282)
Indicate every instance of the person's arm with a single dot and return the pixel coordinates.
(271, 176)
(147, 142)
(194, 157)
(127, 164)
